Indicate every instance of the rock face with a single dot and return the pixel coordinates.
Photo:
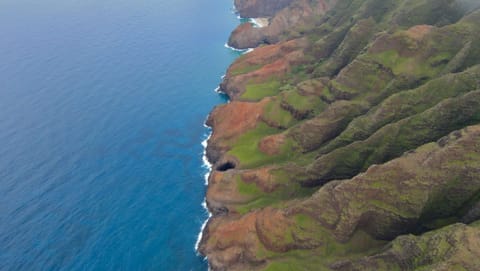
(352, 141)
(260, 8)
(261, 66)
(291, 13)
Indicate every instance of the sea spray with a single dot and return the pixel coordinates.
(258, 22)
(207, 165)
(222, 93)
(243, 51)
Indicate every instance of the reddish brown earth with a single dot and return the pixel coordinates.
(279, 215)
(296, 13)
(417, 32)
(237, 240)
(230, 121)
(262, 177)
(272, 61)
(260, 8)
(271, 144)
(223, 195)
(234, 118)
(342, 208)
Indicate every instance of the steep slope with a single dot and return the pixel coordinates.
(259, 8)
(282, 15)
(344, 93)
(435, 185)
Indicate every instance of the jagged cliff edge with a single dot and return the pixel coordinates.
(352, 139)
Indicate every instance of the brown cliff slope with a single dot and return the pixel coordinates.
(292, 13)
(422, 190)
(260, 8)
(345, 145)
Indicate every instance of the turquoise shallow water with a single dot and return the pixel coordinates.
(102, 106)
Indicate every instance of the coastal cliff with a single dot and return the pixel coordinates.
(352, 139)
(282, 16)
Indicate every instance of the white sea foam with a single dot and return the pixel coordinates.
(217, 90)
(200, 235)
(244, 51)
(255, 23)
(207, 165)
(233, 48)
(258, 22)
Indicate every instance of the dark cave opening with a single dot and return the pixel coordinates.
(226, 166)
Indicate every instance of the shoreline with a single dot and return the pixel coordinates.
(257, 23)
(207, 165)
(243, 51)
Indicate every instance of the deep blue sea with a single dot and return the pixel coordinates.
(102, 105)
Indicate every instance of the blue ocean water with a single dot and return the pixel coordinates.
(102, 105)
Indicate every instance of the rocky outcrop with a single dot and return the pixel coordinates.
(260, 8)
(351, 142)
(295, 13)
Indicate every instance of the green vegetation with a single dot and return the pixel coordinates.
(247, 188)
(396, 138)
(277, 198)
(304, 104)
(257, 91)
(245, 69)
(275, 115)
(405, 104)
(361, 244)
(364, 143)
(246, 150)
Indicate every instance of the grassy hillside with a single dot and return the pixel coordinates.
(355, 154)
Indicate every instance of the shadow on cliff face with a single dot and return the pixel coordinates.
(226, 166)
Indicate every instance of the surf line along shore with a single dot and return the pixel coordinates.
(257, 23)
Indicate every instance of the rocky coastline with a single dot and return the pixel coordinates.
(351, 140)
